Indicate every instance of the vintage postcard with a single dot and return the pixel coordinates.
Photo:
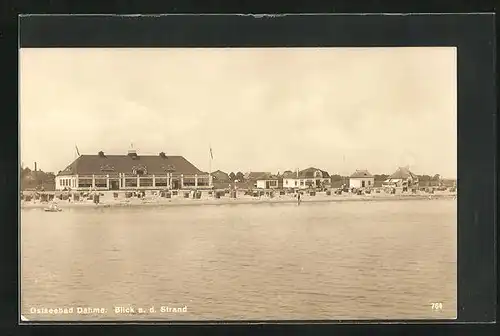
(209, 184)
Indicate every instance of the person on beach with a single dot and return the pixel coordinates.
(298, 198)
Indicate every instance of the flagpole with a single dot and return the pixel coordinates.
(344, 170)
(210, 164)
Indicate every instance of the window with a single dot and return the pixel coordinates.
(85, 183)
(203, 181)
(140, 170)
(130, 182)
(189, 181)
(101, 183)
(146, 182)
(301, 182)
(295, 182)
(286, 182)
(273, 183)
(107, 168)
(161, 182)
(369, 182)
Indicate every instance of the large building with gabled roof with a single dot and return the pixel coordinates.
(131, 171)
(402, 177)
(307, 178)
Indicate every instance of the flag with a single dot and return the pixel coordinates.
(211, 154)
(77, 151)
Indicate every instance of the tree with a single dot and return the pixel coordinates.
(240, 177)
(336, 178)
(380, 177)
(424, 178)
(436, 177)
(232, 176)
(25, 172)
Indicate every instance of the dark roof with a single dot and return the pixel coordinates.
(256, 175)
(108, 164)
(268, 176)
(306, 173)
(309, 173)
(219, 172)
(220, 175)
(361, 173)
(403, 173)
(289, 174)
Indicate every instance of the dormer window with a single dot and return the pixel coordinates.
(169, 168)
(107, 168)
(139, 170)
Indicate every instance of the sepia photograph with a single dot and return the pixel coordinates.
(238, 184)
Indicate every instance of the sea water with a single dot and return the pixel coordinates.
(316, 261)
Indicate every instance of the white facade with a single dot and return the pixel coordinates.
(361, 182)
(303, 183)
(267, 184)
(123, 181)
(66, 181)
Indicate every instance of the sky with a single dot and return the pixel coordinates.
(260, 109)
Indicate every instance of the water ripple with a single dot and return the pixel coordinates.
(317, 261)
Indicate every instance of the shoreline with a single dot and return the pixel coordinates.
(232, 201)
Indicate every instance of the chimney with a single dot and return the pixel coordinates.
(132, 153)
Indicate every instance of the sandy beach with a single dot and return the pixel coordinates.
(178, 200)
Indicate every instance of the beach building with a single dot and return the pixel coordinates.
(267, 181)
(220, 176)
(131, 172)
(253, 177)
(361, 179)
(307, 178)
(221, 180)
(402, 177)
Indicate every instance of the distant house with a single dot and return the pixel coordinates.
(253, 176)
(220, 176)
(267, 181)
(402, 177)
(361, 179)
(307, 178)
(257, 179)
